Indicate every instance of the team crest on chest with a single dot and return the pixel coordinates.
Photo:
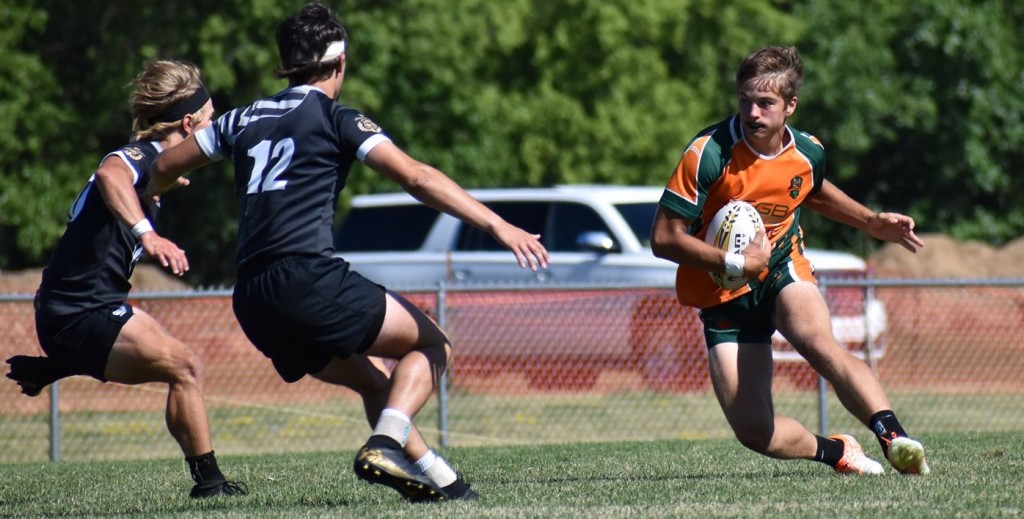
(133, 152)
(365, 124)
(794, 187)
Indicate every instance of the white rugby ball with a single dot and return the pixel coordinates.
(732, 229)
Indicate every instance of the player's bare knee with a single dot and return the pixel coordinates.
(437, 354)
(188, 367)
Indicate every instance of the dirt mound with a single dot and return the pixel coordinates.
(943, 257)
(146, 278)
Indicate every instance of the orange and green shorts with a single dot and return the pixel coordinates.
(750, 318)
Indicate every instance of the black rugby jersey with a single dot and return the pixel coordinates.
(292, 153)
(95, 257)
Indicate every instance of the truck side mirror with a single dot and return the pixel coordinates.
(595, 241)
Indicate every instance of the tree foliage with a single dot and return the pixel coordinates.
(919, 106)
(917, 102)
(35, 156)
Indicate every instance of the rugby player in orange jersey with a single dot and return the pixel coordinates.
(756, 157)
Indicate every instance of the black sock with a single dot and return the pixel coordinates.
(830, 451)
(204, 469)
(887, 427)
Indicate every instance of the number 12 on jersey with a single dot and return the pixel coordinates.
(263, 154)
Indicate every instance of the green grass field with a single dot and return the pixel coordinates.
(477, 421)
(973, 475)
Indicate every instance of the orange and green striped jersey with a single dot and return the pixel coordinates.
(718, 166)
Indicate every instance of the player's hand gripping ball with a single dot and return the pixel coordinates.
(732, 229)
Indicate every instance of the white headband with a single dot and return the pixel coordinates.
(334, 50)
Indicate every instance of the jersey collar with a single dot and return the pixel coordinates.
(305, 89)
(737, 132)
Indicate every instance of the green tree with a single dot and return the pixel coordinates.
(522, 92)
(533, 93)
(35, 191)
(76, 59)
(918, 104)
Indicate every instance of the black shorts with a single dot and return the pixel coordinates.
(82, 341)
(302, 310)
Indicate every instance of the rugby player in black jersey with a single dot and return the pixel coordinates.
(304, 309)
(83, 321)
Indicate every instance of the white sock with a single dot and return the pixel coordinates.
(426, 461)
(436, 469)
(393, 424)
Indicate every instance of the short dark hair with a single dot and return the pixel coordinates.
(777, 69)
(302, 40)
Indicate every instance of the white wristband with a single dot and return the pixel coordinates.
(141, 228)
(734, 264)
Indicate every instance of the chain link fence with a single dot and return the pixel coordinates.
(545, 365)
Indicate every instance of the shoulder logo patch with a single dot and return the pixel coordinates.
(365, 124)
(133, 152)
(794, 187)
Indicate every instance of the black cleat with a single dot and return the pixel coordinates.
(459, 490)
(33, 374)
(224, 488)
(382, 462)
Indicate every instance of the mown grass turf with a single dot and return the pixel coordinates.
(477, 421)
(973, 475)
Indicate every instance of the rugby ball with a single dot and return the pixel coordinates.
(732, 229)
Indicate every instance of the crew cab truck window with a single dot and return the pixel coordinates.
(569, 222)
(529, 216)
(385, 228)
(639, 217)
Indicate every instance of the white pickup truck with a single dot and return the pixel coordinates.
(594, 234)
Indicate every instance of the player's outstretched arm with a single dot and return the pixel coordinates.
(895, 228)
(173, 163)
(437, 190)
(165, 251)
(833, 203)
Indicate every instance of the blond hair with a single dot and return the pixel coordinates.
(160, 85)
(775, 69)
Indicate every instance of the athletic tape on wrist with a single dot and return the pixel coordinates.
(141, 228)
(734, 264)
